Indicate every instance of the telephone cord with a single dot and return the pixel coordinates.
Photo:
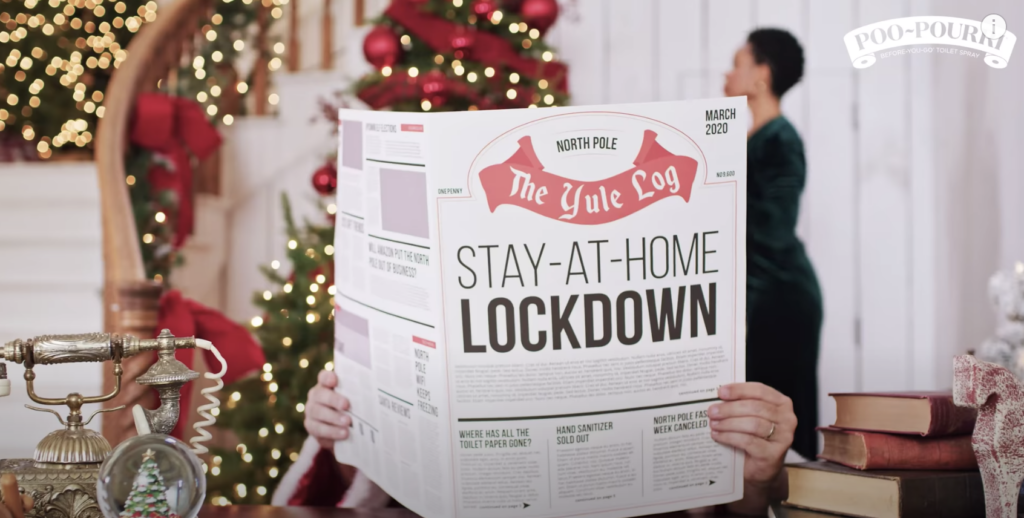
(201, 434)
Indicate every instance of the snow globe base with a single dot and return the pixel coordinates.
(151, 476)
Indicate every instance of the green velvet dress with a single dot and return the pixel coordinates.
(784, 310)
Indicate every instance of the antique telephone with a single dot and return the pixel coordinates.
(66, 462)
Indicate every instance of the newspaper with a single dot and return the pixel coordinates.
(535, 308)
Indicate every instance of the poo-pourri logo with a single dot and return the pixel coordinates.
(654, 173)
(932, 34)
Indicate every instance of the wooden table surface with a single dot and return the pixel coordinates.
(266, 511)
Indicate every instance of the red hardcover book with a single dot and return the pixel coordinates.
(929, 414)
(869, 450)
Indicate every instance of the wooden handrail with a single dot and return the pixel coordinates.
(130, 300)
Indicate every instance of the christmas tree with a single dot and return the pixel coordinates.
(434, 55)
(296, 330)
(57, 57)
(148, 498)
(430, 55)
(60, 55)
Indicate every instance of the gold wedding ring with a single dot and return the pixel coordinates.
(770, 433)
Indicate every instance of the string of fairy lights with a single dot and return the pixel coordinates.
(87, 46)
(226, 37)
(460, 68)
(90, 39)
(396, 51)
(58, 55)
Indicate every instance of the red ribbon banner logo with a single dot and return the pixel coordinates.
(522, 181)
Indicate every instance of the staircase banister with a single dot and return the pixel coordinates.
(130, 300)
(147, 50)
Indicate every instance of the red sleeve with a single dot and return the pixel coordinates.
(324, 484)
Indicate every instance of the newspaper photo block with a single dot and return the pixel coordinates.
(535, 308)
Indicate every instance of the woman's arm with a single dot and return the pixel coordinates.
(775, 186)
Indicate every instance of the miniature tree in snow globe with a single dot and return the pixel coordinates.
(151, 476)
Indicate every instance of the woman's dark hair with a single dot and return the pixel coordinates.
(783, 55)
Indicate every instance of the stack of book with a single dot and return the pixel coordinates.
(902, 455)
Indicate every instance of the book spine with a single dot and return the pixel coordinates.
(945, 497)
(949, 419)
(894, 452)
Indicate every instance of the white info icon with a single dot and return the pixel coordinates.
(993, 26)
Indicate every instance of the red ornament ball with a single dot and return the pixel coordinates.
(539, 14)
(381, 47)
(325, 179)
(435, 87)
(484, 8)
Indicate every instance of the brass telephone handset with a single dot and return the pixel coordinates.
(74, 453)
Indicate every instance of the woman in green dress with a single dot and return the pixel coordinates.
(784, 309)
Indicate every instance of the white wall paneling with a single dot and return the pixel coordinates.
(263, 158)
(884, 229)
(680, 67)
(728, 23)
(977, 126)
(632, 37)
(50, 282)
(829, 202)
(923, 213)
(584, 47)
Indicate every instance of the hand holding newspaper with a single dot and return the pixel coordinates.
(535, 308)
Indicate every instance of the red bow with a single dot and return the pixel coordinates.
(400, 85)
(178, 129)
(489, 49)
(184, 317)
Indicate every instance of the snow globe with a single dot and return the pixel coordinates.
(151, 476)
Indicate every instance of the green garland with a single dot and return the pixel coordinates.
(206, 80)
(210, 75)
(155, 237)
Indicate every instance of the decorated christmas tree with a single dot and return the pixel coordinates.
(434, 55)
(296, 330)
(58, 56)
(430, 55)
(148, 498)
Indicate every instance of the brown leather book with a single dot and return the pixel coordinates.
(869, 450)
(834, 488)
(929, 414)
